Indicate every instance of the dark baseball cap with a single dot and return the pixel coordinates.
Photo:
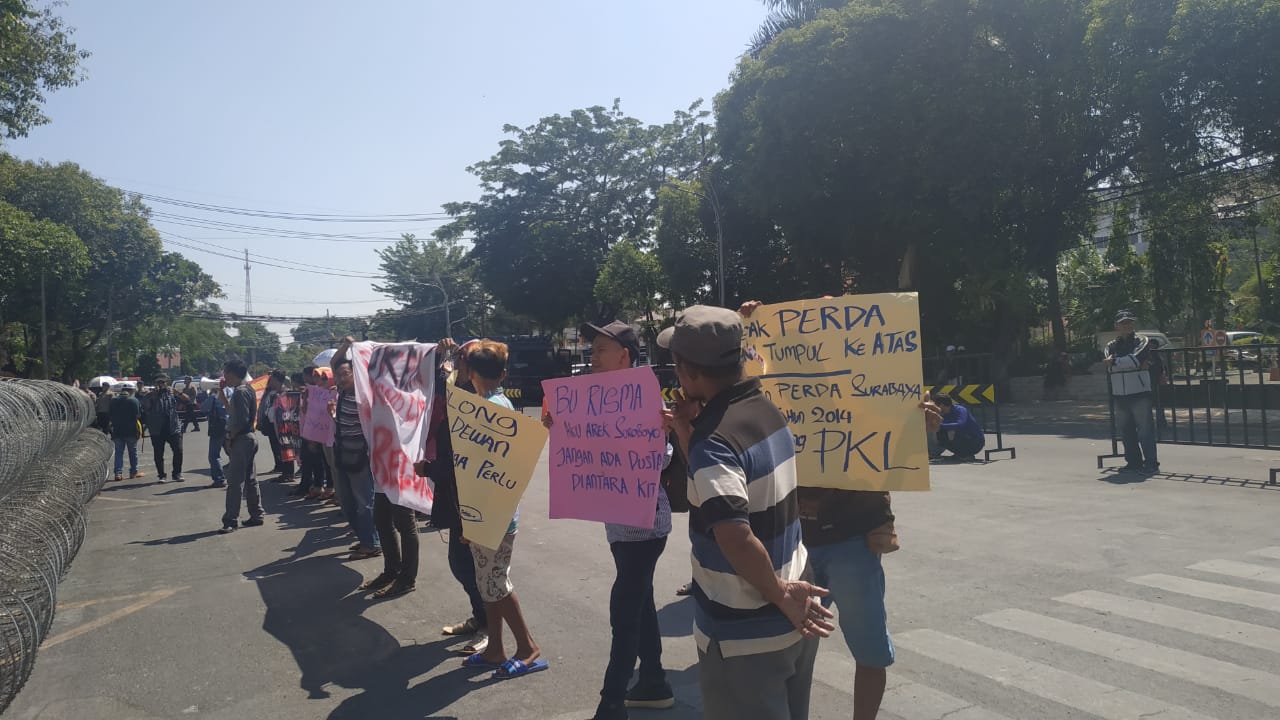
(1125, 315)
(619, 331)
(706, 336)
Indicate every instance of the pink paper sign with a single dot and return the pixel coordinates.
(607, 446)
(317, 423)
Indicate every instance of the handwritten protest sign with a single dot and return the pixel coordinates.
(494, 453)
(607, 446)
(317, 423)
(395, 384)
(846, 372)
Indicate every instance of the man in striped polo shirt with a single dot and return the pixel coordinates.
(757, 623)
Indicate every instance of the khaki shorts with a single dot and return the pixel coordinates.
(493, 569)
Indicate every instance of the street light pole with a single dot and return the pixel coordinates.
(44, 330)
(715, 211)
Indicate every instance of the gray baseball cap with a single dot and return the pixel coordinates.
(706, 336)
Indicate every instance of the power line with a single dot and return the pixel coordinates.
(1156, 228)
(285, 215)
(282, 233)
(197, 248)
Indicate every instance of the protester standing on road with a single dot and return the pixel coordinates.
(633, 616)
(124, 413)
(1128, 361)
(241, 446)
(756, 622)
(189, 405)
(487, 362)
(215, 411)
(354, 480)
(165, 428)
(102, 397)
(446, 514)
(267, 422)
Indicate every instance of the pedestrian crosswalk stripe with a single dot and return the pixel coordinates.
(913, 701)
(1267, 552)
(1211, 591)
(1100, 699)
(1190, 667)
(1231, 568)
(902, 698)
(1212, 626)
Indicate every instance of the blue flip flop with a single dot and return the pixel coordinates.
(477, 661)
(514, 668)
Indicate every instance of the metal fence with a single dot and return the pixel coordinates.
(1216, 397)
(51, 466)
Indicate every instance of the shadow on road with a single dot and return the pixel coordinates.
(311, 608)
(177, 539)
(1119, 477)
(675, 619)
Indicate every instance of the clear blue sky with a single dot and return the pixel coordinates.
(354, 108)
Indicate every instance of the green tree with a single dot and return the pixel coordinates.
(420, 274)
(256, 344)
(559, 194)
(36, 57)
(632, 281)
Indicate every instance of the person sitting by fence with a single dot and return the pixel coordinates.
(960, 432)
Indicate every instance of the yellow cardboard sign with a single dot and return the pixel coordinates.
(846, 373)
(494, 453)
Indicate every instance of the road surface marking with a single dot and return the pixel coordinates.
(1190, 667)
(1241, 633)
(1268, 552)
(87, 603)
(147, 600)
(1231, 568)
(1211, 591)
(902, 698)
(1105, 701)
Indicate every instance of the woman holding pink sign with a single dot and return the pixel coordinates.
(633, 617)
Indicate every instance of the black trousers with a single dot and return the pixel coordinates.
(273, 438)
(398, 530)
(158, 443)
(633, 618)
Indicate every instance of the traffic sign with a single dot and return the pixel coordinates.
(1220, 337)
(1208, 338)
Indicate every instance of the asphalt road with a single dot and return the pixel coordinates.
(1028, 589)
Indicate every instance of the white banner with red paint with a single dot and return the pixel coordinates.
(395, 384)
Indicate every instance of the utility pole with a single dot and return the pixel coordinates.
(448, 326)
(248, 291)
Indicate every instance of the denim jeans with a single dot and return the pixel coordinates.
(355, 496)
(463, 566)
(634, 619)
(855, 577)
(215, 459)
(1137, 429)
(121, 444)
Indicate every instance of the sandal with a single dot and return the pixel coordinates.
(514, 668)
(378, 583)
(468, 627)
(478, 644)
(477, 660)
(395, 589)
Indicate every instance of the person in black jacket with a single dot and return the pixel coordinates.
(446, 515)
(165, 427)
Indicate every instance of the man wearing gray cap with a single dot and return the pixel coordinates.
(756, 622)
(1128, 360)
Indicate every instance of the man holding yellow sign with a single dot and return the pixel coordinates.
(846, 372)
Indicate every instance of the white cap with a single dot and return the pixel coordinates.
(951, 348)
